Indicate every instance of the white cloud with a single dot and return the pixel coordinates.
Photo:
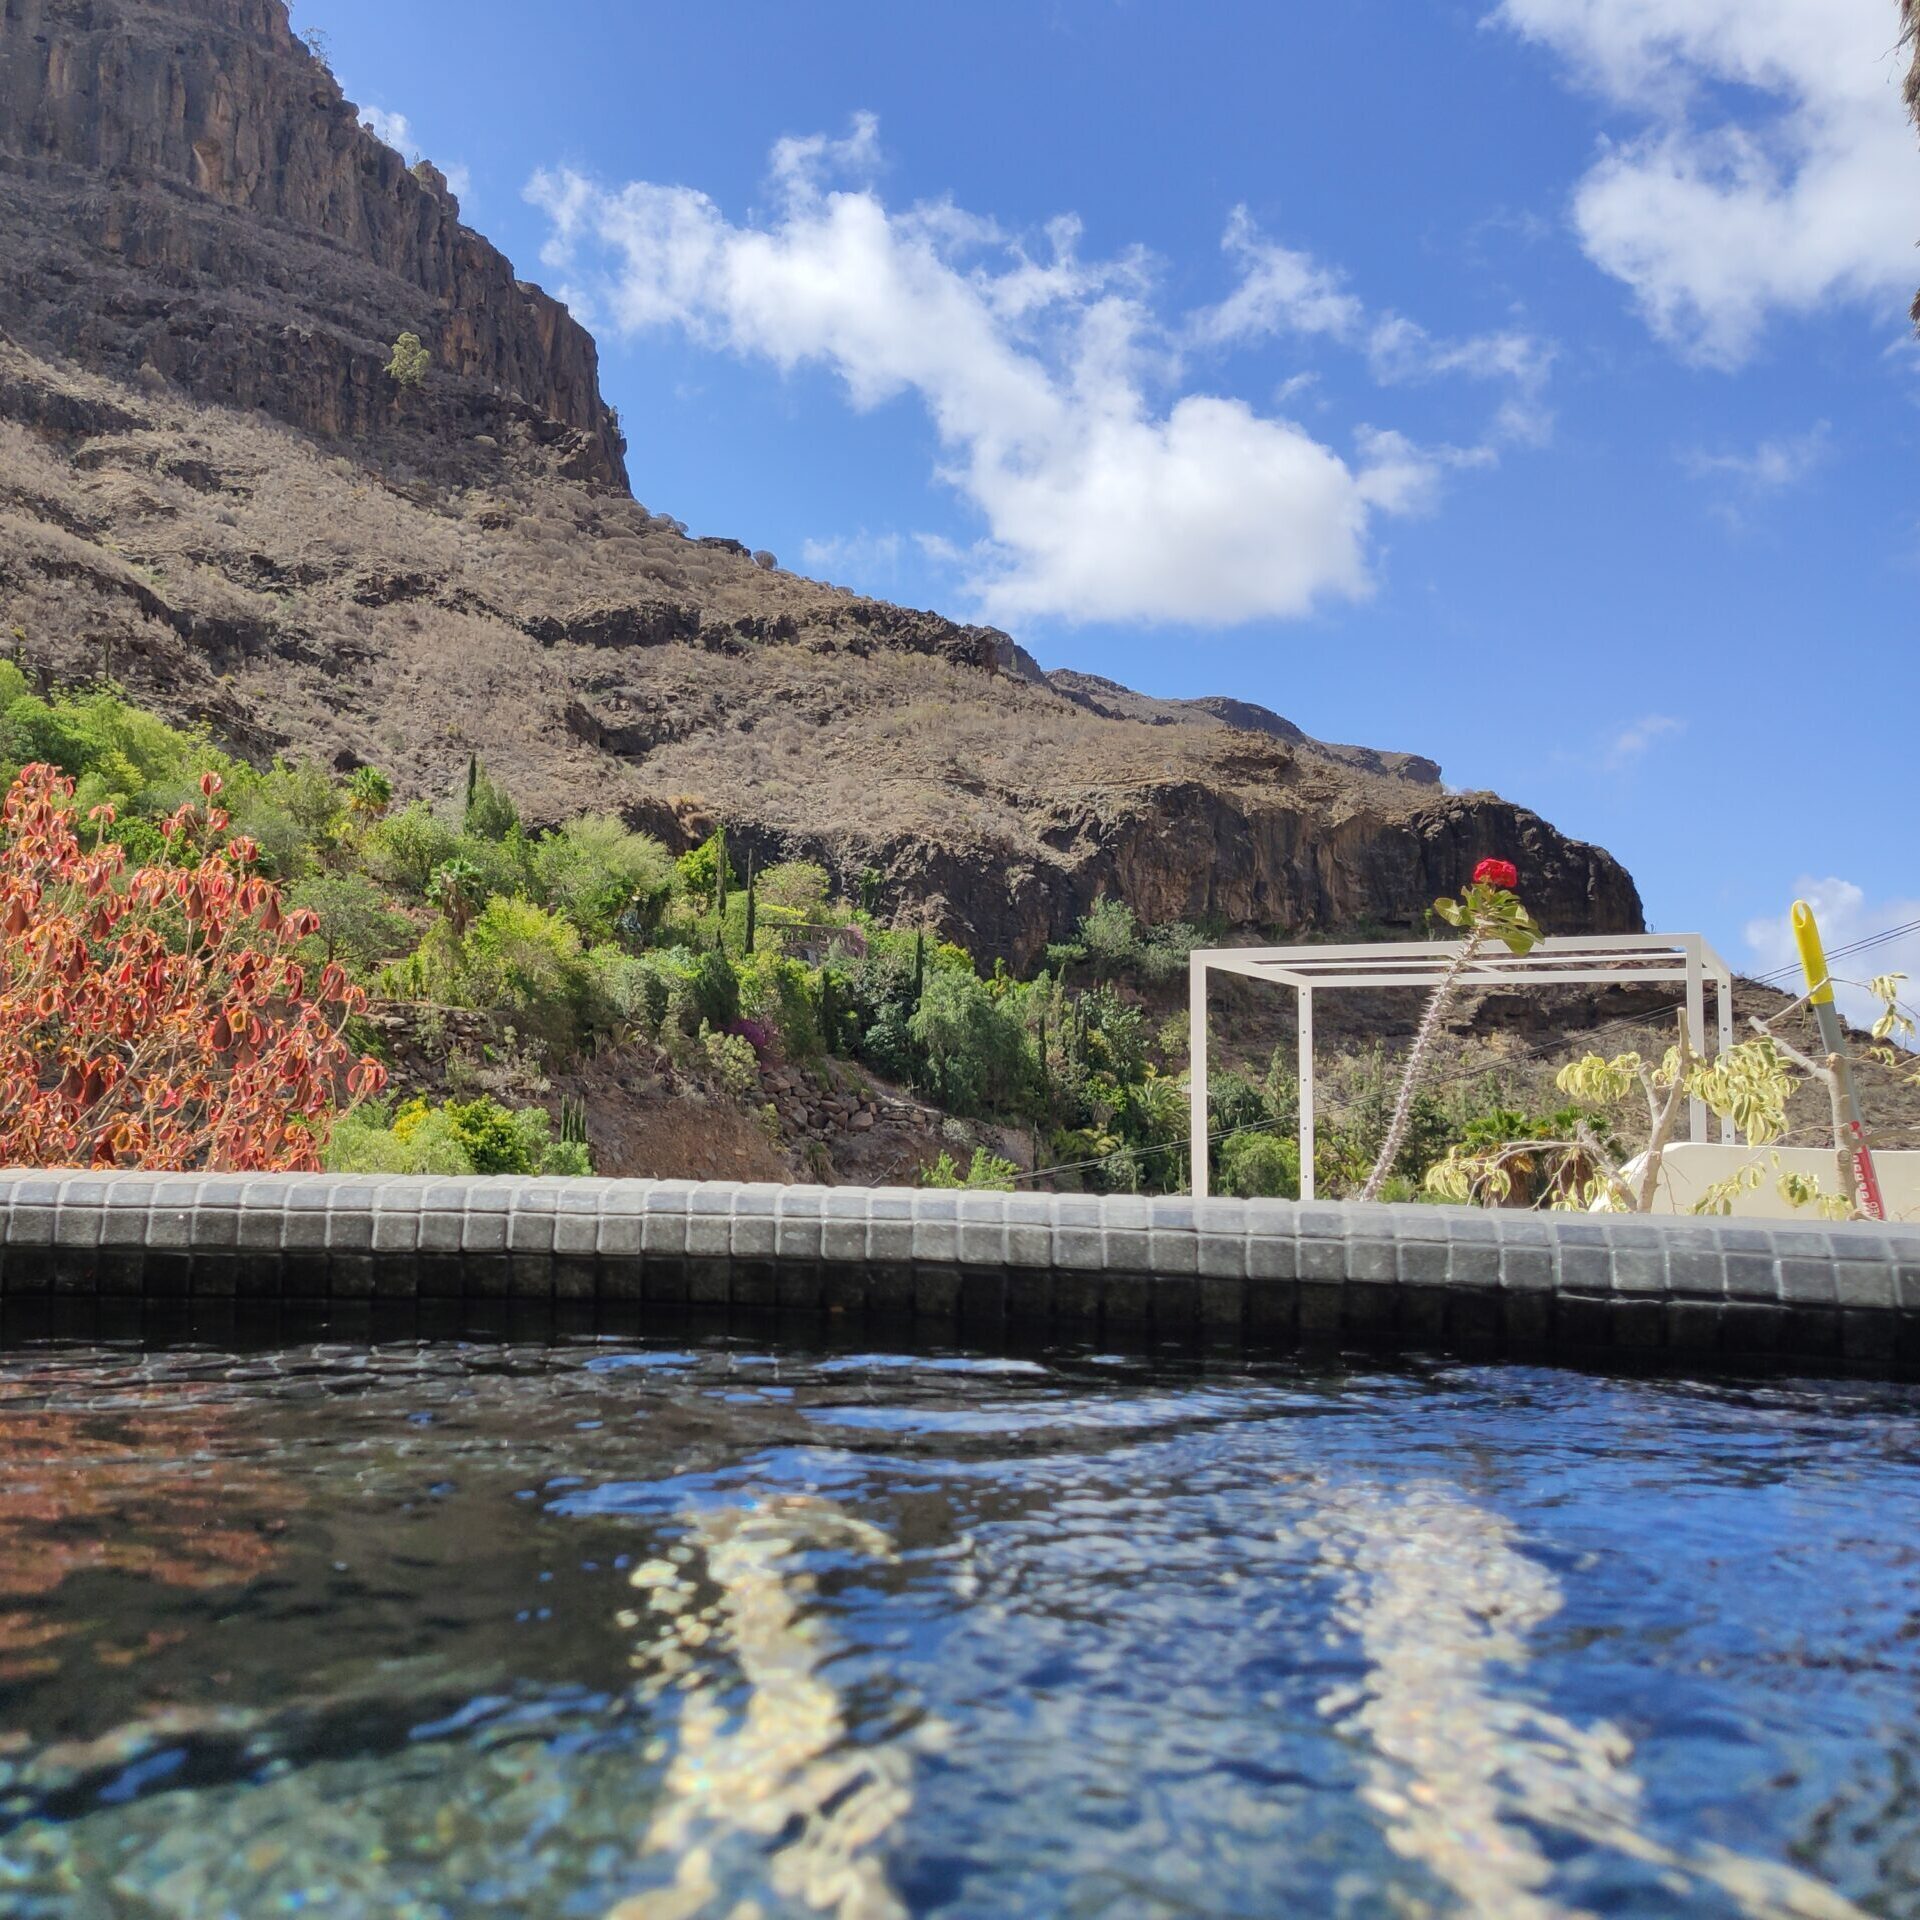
(459, 180)
(1774, 463)
(394, 128)
(1283, 290)
(1845, 914)
(861, 556)
(1634, 741)
(1044, 374)
(1280, 291)
(1714, 221)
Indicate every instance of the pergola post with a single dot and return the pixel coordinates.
(1306, 1093)
(1696, 1032)
(1197, 1073)
(1723, 999)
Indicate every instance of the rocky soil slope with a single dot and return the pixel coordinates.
(210, 489)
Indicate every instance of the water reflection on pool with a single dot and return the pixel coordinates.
(652, 1631)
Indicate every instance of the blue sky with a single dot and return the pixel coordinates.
(1525, 383)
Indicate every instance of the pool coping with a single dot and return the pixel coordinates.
(976, 1264)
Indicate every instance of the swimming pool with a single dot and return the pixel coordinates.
(641, 1628)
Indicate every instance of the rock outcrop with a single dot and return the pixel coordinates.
(211, 490)
(188, 191)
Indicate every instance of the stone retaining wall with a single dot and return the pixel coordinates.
(980, 1265)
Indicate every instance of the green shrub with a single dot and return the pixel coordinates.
(734, 1062)
(408, 363)
(368, 1141)
(525, 963)
(796, 884)
(715, 989)
(1260, 1166)
(974, 1050)
(488, 812)
(604, 879)
(407, 848)
(986, 1171)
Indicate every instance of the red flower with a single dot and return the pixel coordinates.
(1496, 873)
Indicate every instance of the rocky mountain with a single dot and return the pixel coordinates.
(211, 490)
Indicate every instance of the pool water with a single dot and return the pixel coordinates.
(611, 1628)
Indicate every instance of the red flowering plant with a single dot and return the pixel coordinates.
(1487, 909)
(160, 1017)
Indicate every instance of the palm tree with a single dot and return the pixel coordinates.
(456, 890)
(369, 793)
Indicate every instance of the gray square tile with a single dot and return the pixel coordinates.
(935, 1241)
(530, 1230)
(1173, 1253)
(1422, 1263)
(484, 1232)
(1223, 1256)
(1864, 1283)
(1372, 1260)
(1028, 1245)
(1323, 1261)
(983, 1241)
(1639, 1269)
(1752, 1276)
(1696, 1271)
(1589, 1268)
(709, 1235)
(1275, 1256)
(396, 1232)
(1807, 1282)
(890, 1239)
(1474, 1263)
(350, 1230)
(77, 1226)
(576, 1235)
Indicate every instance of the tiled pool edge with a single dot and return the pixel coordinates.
(980, 1264)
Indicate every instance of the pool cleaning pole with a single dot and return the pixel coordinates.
(1833, 1039)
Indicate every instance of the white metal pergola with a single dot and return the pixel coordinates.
(1613, 959)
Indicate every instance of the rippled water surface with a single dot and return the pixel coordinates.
(655, 1632)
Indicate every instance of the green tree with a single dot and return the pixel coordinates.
(407, 364)
(359, 925)
(974, 1050)
(606, 880)
(407, 848)
(489, 812)
(457, 891)
(369, 794)
(798, 884)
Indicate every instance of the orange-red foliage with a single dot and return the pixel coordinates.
(159, 1018)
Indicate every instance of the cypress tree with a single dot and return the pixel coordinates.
(919, 966)
(720, 874)
(751, 904)
(473, 788)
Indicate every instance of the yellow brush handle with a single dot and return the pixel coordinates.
(1813, 956)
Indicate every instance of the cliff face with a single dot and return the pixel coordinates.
(210, 489)
(194, 194)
